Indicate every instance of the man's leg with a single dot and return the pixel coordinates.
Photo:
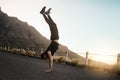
(50, 19)
(46, 18)
(48, 14)
(50, 62)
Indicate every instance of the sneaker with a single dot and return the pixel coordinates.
(48, 11)
(43, 10)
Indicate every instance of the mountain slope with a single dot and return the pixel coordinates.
(15, 33)
(18, 34)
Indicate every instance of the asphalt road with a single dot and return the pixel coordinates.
(17, 67)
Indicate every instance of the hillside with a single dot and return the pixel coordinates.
(18, 34)
(15, 33)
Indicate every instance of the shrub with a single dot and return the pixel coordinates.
(116, 69)
(74, 62)
(23, 51)
(55, 58)
(30, 53)
(61, 59)
(15, 50)
(36, 54)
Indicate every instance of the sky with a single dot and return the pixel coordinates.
(84, 25)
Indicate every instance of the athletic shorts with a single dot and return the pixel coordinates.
(52, 47)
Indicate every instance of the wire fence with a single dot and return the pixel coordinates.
(106, 58)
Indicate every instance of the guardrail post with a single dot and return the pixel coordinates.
(118, 62)
(118, 58)
(86, 59)
(66, 55)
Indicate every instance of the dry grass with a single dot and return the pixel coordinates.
(73, 61)
(19, 51)
(116, 69)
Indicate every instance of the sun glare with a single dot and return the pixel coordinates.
(109, 59)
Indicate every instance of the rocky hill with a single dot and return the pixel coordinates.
(15, 33)
(18, 34)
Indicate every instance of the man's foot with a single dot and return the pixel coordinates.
(43, 10)
(48, 11)
(48, 70)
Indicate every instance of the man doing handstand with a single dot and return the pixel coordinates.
(52, 48)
